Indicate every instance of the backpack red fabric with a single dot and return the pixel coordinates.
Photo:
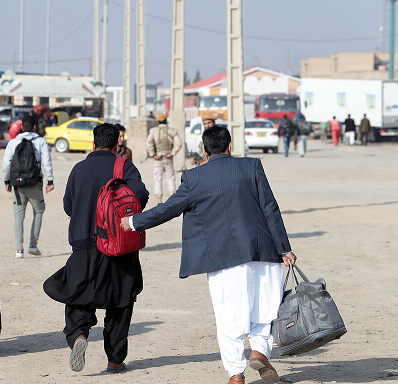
(115, 201)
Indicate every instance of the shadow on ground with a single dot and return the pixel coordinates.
(42, 342)
(309, 210)
(354, 371)
(162, 247)
(303, 235)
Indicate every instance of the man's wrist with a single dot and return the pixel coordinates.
(50, 182)
(131, 223)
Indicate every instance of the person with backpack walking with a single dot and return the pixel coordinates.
(287, 130)
(23, 159)
(304, 128)
(92, 279)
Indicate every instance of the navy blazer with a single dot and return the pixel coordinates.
(230, 216)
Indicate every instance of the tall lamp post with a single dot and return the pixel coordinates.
(392, 40)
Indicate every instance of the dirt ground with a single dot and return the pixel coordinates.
(340, 207)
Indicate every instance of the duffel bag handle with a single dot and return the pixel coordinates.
(300, 272)
(292, 274)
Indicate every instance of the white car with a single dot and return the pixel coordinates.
(261, 134)
(193, 134)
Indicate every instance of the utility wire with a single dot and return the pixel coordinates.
(262, 38)
(64, 38)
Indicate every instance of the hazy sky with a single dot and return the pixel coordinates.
(278, 33)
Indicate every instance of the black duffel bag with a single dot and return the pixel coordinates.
(307, 318)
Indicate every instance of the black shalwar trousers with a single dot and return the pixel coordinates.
(79, 320)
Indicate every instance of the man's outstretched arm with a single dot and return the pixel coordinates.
(173, 207)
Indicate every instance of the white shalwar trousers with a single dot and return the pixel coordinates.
(246, 298)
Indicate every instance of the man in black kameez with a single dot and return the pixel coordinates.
(90, 279)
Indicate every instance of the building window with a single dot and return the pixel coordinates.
(44, 101)
(28, 100)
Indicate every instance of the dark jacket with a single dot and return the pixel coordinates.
(230, 216)
(349, 125)
(365, 125)
(125, 152)
(84, 184)
(286, 128)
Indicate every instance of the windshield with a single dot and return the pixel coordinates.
(213, 102)
(279, 105)
(258, 124)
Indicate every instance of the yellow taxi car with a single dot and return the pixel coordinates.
(74, 135)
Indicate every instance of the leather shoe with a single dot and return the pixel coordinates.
(260, 363)
(237, 379)
(116, 368)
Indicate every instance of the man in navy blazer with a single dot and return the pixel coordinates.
(233, 231)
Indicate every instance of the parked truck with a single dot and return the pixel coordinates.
(321, 99)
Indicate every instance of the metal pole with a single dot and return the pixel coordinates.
(126, 63)
(47, 37)
(104, 41)
(21, 38)
(141, 78)
(96, 41)
(177, 113)
(235, 95)
(392, 40)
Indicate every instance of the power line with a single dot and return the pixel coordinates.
(66, 37)
(51, 61)
(262, 38)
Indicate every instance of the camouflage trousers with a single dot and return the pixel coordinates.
(161, 166)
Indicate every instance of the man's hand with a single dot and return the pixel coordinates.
(193, 161)
(168, 156)
(288, 258)
(157, 157)
(49, 188)
(124, 224)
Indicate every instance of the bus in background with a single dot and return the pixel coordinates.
(275, 105)
(214, 100)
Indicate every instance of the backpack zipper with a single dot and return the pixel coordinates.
(113, 218)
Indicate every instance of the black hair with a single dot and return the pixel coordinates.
(364, 115)
(120, 127)
(162, 122)
(216, 140)
(349, 115)
(285, 116)
(28, 123)
(334, 117)
(106, 136)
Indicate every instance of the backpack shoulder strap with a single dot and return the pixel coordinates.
(118, 168)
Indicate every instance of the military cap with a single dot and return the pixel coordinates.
(161, 117)
(208, 116)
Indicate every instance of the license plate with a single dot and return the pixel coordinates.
(261, 134)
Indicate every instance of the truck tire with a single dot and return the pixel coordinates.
(275, 150)
(265, 150)
(62, 145)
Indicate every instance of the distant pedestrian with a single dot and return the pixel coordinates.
(287, 129)
(364, 130)
(349, 132)
(151, 116)
(302, 132)
(208, 121)
(25, 180)
(335, 128)
(163, 143)
(122, 150)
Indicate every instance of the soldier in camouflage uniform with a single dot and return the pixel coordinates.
(208, 121)
(162, 144)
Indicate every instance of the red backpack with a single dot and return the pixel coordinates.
(115, 201)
